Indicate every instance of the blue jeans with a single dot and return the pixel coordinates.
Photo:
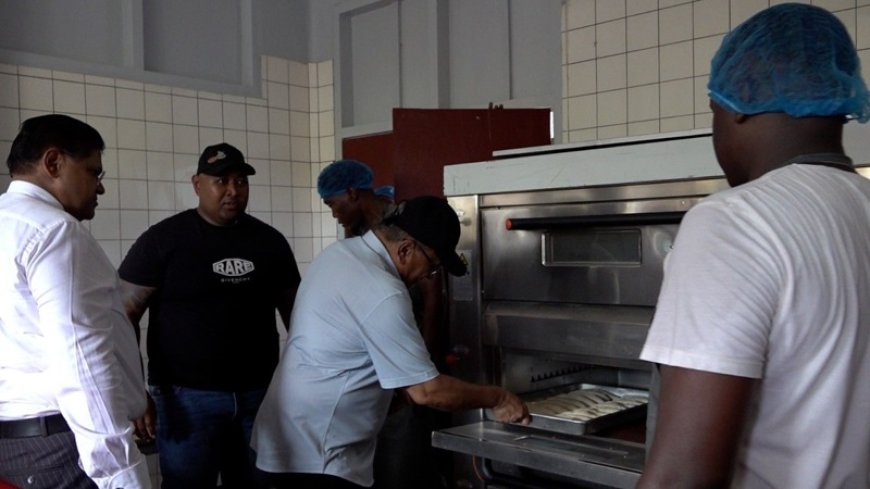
(201, 434)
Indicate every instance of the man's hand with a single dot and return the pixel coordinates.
(510, 409)
(145, 424)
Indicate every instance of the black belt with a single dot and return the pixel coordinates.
(28, 428)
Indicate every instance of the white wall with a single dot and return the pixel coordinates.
(636, 67)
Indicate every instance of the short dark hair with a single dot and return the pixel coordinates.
(40, 133)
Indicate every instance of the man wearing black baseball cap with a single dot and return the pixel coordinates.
(432, 222)
(211, 277)
(353, 341)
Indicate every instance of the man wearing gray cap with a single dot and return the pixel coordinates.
(212, 278)
(353, 340)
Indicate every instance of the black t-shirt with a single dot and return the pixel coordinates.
(212, 318)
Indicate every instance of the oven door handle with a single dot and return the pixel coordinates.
(526, 223)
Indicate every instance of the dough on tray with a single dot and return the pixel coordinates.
(584, 404)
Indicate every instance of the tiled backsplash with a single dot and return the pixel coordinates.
(154, 135)
(635, 67)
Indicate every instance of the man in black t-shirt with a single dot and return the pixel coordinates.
(211, 279)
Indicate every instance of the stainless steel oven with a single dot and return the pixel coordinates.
(560, 293)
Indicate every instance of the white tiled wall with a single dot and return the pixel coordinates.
(154, 135)
(635, 67)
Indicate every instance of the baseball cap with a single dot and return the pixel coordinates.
(220, 159)
(431, 221)
(341, 175)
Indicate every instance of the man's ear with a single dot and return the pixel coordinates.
(194, 180)
(352, 194)
(404, 250)
(51, 161)
(740, 118)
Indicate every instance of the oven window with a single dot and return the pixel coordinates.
(591, 247)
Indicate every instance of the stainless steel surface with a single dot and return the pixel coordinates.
(573, 426)
(464, 306)
(620, 193)
(603, 335)
(568, 426)
(524, 257)
(610, 463)
(560, 298)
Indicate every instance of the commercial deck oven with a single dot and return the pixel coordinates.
(560, 293)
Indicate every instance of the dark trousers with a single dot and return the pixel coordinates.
(201, 434)
(43, 462)
(308, 481)
(404, 457)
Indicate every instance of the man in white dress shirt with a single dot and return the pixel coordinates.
(70, 375)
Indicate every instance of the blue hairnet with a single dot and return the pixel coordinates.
(791, 58)
(387, 191)
(341, 175)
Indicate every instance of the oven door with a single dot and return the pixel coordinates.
(508, 455)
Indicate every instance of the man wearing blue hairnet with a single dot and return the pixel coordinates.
(762, 330)
(346, 188)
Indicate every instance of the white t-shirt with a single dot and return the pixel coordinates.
(771, 280)
(352, 340)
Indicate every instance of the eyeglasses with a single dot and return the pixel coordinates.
(434, 267)
(98, 173)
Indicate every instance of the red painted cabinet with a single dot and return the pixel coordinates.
(412, 156)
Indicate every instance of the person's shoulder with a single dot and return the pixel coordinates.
(175, 225)
(250, 220)
(37, 212)
(182, 217)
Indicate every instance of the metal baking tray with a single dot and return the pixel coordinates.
(576, 427)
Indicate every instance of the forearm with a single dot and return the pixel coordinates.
(135, 299)
(91, 357)
(97, 377)
(451, 394)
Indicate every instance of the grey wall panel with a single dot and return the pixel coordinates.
(83, 31)
(424, 62)
(321, 31)
(536, 50)
(479, 52)
(196, 38)
(281, 28)
(370, 64)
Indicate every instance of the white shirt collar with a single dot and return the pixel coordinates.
(22, 187)
(374, 243)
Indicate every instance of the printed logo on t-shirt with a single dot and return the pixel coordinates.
(233, 267)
